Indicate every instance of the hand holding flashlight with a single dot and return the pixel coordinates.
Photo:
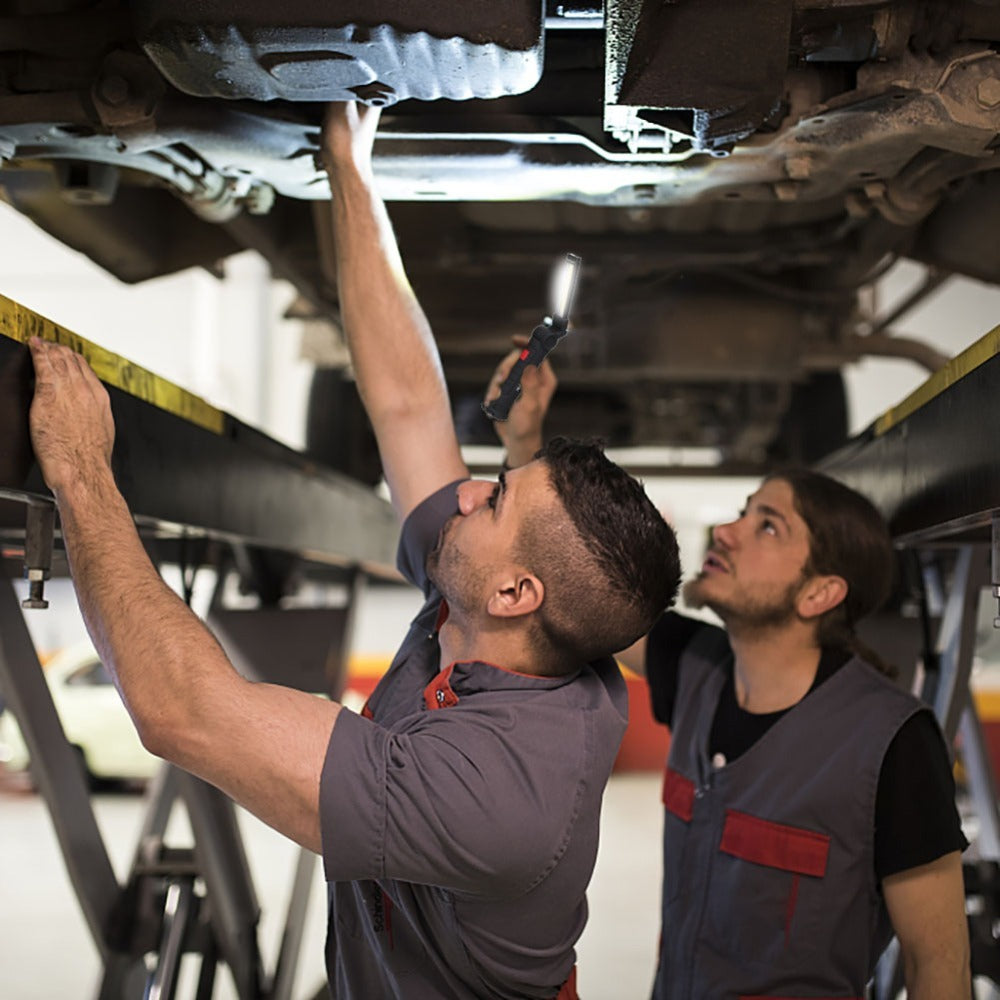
(543, 339)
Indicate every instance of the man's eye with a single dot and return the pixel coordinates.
(493, 497)
(769, 526)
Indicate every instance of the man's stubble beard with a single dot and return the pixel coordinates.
(458, 577)
(747, 613)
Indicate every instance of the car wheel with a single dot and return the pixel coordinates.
(815, 423)
(338, 433)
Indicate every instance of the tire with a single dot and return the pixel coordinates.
(815, 423)
(338, 433)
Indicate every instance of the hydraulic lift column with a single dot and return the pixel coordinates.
(932, 467)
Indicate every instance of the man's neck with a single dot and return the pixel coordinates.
(509, 648)
(773, 668)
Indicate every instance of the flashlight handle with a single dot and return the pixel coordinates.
(543, 339)
(510, 389)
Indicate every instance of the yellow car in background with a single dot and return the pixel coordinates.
(94, 719)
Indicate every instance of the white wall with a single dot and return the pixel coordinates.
(951, 319)
(224, 340)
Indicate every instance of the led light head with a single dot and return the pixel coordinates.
(564, 279)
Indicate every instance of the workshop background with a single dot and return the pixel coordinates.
(227, 340)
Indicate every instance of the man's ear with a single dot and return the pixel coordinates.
(820, 594)
(518, 593)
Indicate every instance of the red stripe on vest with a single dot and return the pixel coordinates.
(678, 794)
(789, 848)
(568, 990)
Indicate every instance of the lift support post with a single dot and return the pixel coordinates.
(202, 487)
(932, 467)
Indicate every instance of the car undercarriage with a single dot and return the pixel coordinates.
(734, 175)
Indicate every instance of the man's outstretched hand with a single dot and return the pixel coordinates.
(348, 136)
(521, 432)
(72, 429)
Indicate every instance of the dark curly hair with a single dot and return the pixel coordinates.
(610, 568)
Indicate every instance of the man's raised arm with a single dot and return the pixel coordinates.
(395, 359)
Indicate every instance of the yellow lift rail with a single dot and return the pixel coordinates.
(988, 346)
(21, 324)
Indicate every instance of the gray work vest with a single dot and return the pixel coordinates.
(769, 886)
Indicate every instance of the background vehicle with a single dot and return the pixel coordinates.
(735, 174)
(94, 719)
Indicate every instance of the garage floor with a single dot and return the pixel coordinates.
(46, 952)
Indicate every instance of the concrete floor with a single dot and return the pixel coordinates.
(46, 952)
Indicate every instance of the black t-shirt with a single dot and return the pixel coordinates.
(916, 820)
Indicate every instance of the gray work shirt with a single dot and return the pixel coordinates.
(460, 815)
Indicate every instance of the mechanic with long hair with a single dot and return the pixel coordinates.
(809, 805)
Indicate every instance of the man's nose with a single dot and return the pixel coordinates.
(724, 535)
(473, 494)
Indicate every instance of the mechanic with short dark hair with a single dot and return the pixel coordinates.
(809, 801)
(457, 815)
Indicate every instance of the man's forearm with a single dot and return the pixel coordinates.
(158, 652)
(262, 744)
(392, 349)
(927, 908)
(521, 450)
(943, 980)
(395, 359)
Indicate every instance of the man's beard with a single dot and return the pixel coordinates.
(745, 611)
(433, 560)
(457, 576)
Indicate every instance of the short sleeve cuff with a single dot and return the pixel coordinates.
(352, 800)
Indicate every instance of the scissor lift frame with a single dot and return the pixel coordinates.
(201, 492)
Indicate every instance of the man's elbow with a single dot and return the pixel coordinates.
(159, 735)
(170, 733)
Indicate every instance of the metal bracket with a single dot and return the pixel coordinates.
(58, 777)
(39, 533)
(956, 639)
(953, 703)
